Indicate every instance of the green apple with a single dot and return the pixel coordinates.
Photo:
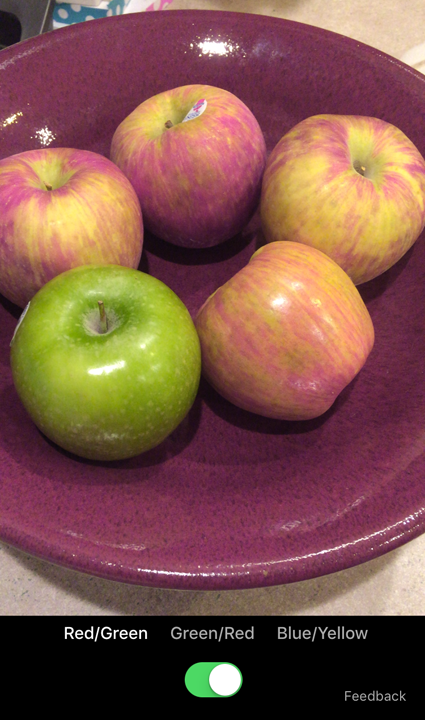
(106, 360)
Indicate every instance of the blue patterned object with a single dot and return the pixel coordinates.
(68, 14)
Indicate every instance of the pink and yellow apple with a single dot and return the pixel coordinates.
(351, 186)
(61, 208)
(195, 156)
(286, 334)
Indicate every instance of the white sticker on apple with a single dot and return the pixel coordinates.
(196, 111)
(20, 320)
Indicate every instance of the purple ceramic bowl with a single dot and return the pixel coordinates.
(230, 500)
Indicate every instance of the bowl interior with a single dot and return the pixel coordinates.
(229, 500)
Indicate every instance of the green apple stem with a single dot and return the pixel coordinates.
(48, 186)
(103, 318)
(168, 124)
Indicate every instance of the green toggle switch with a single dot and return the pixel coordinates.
(213, 679)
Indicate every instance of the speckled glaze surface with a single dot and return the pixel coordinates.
(230, 500)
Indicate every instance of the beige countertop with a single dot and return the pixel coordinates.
(391, 585)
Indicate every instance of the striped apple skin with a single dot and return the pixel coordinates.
(286, 334)
(91, 215)
(313, 194)
(198, 182)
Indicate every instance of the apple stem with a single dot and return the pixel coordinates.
(359, 167)
(48, 186)
(103, 318)
(168, 124)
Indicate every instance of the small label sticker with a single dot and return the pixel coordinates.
(196, 111)
(20, 320)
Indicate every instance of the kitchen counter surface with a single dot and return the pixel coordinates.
(391, 585)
